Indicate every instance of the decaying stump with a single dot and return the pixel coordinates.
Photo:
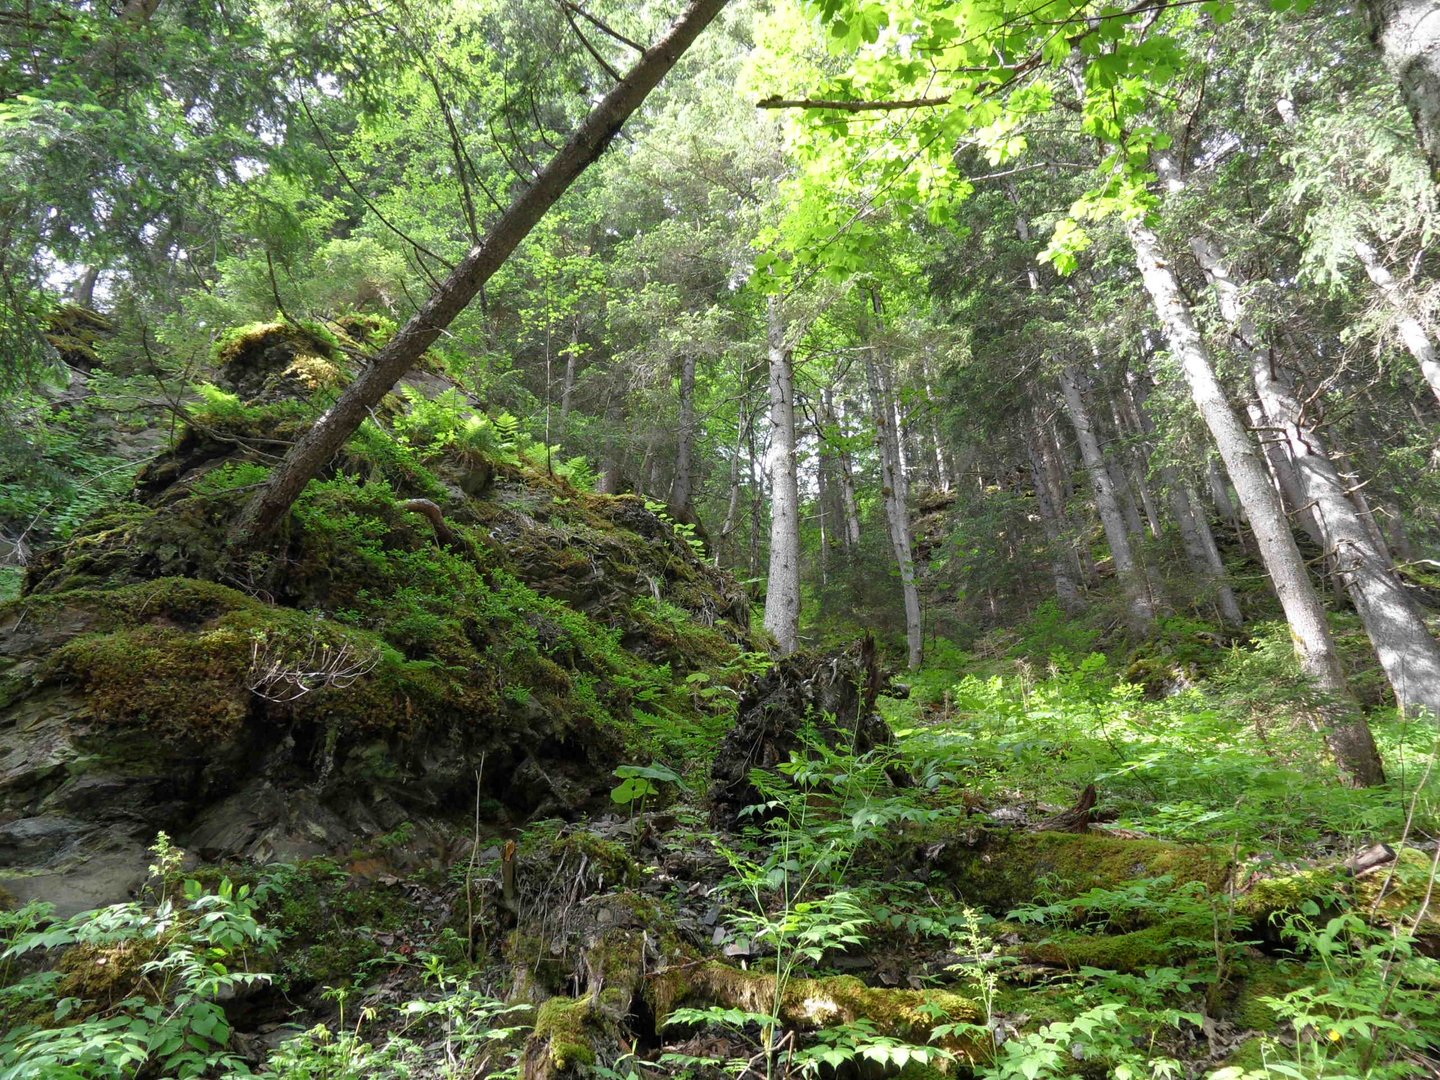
(830, 694)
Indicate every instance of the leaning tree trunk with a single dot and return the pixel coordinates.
(1139, 606)
(782, 589)
(1412, 330)
(1407, 32)
(897, 515)
(1347, 733)
(329, 433)
(1407, 651)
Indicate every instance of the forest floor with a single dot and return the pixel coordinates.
(481, 774)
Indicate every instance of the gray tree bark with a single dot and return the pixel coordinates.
(329, 433)
(682, 487)
(1062, 556)
(895, 489)
(1346, 731)
(1412, 331)
(1139, 605)
(844, 474)
(1408, 652)
(782, 589)
(1407, 33)
(1195, 535)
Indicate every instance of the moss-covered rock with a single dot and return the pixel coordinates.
(1170, 943)
(1005, 869)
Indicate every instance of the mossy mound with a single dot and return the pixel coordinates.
(75, 332)
(402, 638)
(1006, 869)
(279, 359)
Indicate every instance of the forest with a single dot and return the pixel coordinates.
(688, 539)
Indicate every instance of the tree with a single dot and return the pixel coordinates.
(1347, 732)
(782, 590)
(1407, 34)
(310, 453)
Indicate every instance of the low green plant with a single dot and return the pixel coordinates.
(142, 993)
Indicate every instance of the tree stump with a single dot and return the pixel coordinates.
(830, 694)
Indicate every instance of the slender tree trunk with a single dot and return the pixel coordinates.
(1052, 455)
(1407, 32)
(849, 504)
(1220, 495)
(83, 290)
(895, 487)
(682, 487)
(732, 507)
(757, 502)
(1067, 588)
(1195, 535)
(895, 491)
(572, 367)
(329, 433)
(782, 589)
(1347, 733)
(1139, 606)
(612, 465)
(1412, 330)
(1408, 652)
(944, 469)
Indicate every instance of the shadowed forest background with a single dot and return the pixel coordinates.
(829, 539)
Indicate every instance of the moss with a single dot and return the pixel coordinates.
(1261, 979)
(244, 343)
(1009, 869)
(607, 859)
(561, 1033)
(195, 670)
(74, 332)
(1168, 943)
(105, 973)
(370, 331)
(1405, 884)
(812, 1004)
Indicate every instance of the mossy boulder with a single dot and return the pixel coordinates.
(265, 361)
(372, 667)
(75, 332)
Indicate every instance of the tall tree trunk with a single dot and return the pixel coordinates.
(1407, 33)
(895, 490)
(1346, 731)
(1062, 568)
(572, 367)
(83, 290)
(732, 507)
(1195, 535)
(612, 464)
(782, 589)
(1408, 652)
(1052, 455)
(329, 433)
(682, 487)
(1220, 495)
(1139, 605)
(845, 474)
(1412, 330)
